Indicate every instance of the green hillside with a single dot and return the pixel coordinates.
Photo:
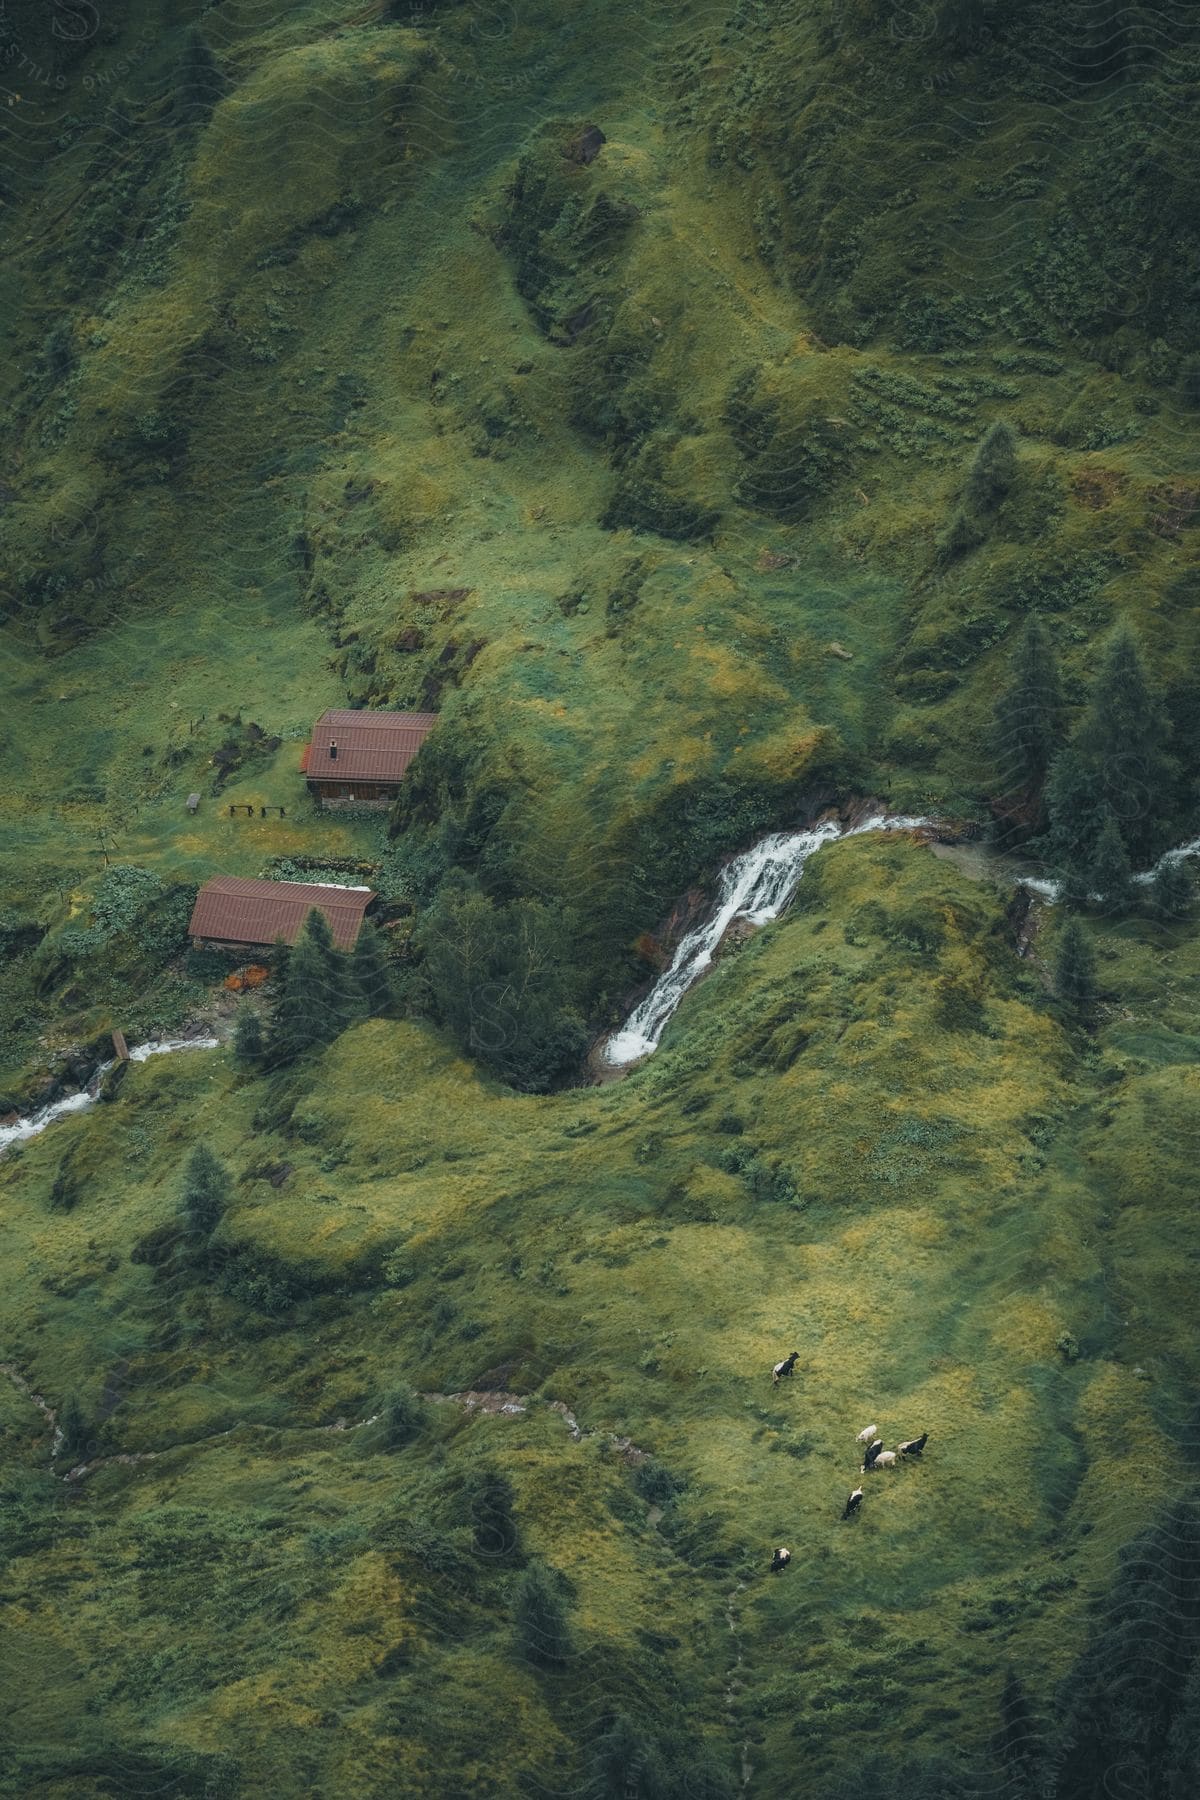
(693, 406)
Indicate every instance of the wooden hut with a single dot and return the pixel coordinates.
(361, 758)
(235, 913)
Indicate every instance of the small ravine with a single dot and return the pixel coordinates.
(36, 1122)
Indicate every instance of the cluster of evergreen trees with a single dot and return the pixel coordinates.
(500, 978)
(1096, 802)
(321, 991)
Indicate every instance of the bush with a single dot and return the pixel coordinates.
(402, 1416)
(655, 1483)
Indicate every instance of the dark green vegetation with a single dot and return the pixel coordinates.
(828, 429)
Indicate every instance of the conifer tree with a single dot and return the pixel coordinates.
(540, 1618)
(1173, 890)
(1029, 721)
(1111, 876)
(487, 1501)
(371, 975)
(993, 468)
(1074, 814)
(1075, 969)
(340, 993)
(303, 1015)
(623, 1763)
(201, 83)
(73, 1430)
(1018, 1741)
(1123, 741)
(206, 1189)
(248, 1041)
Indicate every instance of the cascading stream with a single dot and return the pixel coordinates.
(755, 886)
(36, 1122)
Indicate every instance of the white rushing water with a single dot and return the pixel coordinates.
(755, 886)
(1049, 890)
(36, 1122)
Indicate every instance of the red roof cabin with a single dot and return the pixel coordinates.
(235, 913)
(361, 758)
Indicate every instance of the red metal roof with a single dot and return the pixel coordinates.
(371, 746)
(245, 911)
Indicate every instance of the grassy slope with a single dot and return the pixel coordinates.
(813, 1159)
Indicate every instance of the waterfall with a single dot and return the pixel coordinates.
(755, 886)
(35, 1122)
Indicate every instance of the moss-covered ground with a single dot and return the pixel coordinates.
(338, 374)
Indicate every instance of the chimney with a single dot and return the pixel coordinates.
(333, 749)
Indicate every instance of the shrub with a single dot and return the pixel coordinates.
(402, 1417)
(655, 1483)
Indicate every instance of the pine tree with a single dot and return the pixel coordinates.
(1029, 721)
(1075, 969)
(206, 1190)
(487, 1500)
(372, 977)
(339, 990)
(622, 1764)
(1123, 741)
(201, 83)
(1173, 890)
(1073, 810)
(993, 468)
(1018, 1741)
(302, 1018)
(248, 1041)
(540, 1618)
(1111, 878)
(73, 1429)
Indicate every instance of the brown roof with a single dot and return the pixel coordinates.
(371, 746)
(244, 911)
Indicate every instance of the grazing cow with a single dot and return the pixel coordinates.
(872, 1452)
(786, 1367)
(865, 1437)
(883, 1459)
(780, 1560)
(914, 1446)
(853, 1503)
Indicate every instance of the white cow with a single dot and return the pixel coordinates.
(886, 1459)
(865, 1437)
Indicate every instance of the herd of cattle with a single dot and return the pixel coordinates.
(875, 1457)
